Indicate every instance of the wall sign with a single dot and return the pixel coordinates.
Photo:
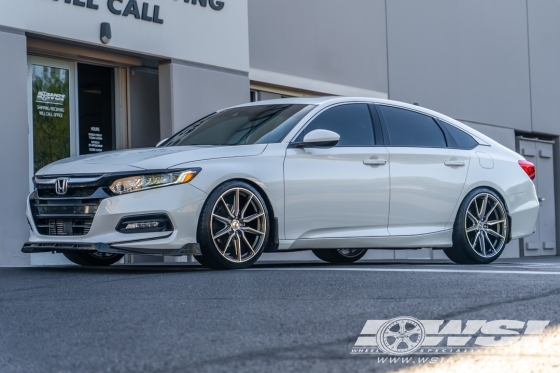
(144, 11)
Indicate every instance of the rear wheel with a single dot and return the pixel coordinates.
(92, 259)
(481, 229)
(340, 256)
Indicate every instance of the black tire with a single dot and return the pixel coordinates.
(92, 259)
(462, 252)
(217, 204)
(206, 261)
(335, 256)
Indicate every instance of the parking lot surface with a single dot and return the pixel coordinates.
(274, 317)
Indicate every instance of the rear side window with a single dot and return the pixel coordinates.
(408, 128)
(463, 139)
(352, 122)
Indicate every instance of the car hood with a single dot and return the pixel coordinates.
(146, 159)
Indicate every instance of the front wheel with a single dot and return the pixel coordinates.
(92, 259)
(340, 256)
(234, 227)
(481, 229)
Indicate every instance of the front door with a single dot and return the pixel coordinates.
(339, 192)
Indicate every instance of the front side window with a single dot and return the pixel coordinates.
(408, 128)
(352, 122)
(261, 124)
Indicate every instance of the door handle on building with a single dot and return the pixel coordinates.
(454, 163)
(375, 162)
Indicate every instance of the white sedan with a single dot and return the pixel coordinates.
(337, 176)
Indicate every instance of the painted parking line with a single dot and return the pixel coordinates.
(420, 270)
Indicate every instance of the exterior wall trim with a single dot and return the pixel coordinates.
(310, 85)
(80, 53)
(210, 67)
(11, 30)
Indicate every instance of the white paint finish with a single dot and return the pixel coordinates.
(485, 160)
(149, 158)
(331, 198)
(181, 202)
(440, 239)
(424, 191)
(306, 84)
(189, 32)
(319, 136)
(331, 193)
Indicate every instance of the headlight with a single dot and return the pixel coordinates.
(143, 182)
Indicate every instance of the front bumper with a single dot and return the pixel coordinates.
(182, 203)
(30, 248)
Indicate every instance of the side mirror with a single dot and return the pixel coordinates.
(161, 142)
(321, 139)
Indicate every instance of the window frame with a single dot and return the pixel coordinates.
(375, 122)
(450, 142)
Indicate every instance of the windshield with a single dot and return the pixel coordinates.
(262, 124)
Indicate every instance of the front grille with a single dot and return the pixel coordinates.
(67, 215)
(72, 192)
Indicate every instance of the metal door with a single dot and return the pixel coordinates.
(540, 152)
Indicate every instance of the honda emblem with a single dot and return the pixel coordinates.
(61, 186)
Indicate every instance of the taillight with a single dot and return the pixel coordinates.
(529, 169)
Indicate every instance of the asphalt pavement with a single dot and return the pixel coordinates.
(275, 317)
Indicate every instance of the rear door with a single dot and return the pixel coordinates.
(428, 171)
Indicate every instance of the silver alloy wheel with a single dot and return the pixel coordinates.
(351, 253)
(238, 225)
(486, 225)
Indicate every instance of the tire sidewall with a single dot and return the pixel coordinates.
(204, 238)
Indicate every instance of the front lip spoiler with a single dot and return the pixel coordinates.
(32, 247)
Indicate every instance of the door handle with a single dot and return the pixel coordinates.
(375, 162)
(454, 163)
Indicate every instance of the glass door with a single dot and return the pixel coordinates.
(96, 109)
(51, 111)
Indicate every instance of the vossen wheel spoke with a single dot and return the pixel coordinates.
(483, 207)
(253, 231)
(247, 242)
(222, 219)
(246, 206)
(496, 222)
(494, 233)
(252, 217)
(222, 232)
